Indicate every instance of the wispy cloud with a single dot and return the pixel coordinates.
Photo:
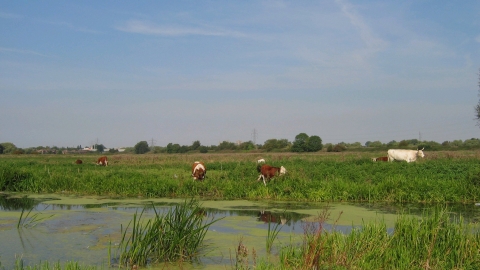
(11, 50)
(371, 41)
(141, 27)
(5, 15)
(477, 39)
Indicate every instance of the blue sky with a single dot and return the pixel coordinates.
(119, 72)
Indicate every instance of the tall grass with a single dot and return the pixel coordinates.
(435, 241)
(176, 236)
(320, 177)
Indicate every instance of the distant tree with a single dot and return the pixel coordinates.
(246, 146)
(471, 143)
(339, 148)
(8, 147)
(270, 144)
(195, 145)
(403, 143)
(300, 143)
(225, 145)
(376, 144)
(100, 148)
(1, 149)
(314, 144)
(141, 147)
(113, 150)
(392, 143)
(203, 149)
(305, 143)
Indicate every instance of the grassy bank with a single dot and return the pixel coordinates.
(440, 177)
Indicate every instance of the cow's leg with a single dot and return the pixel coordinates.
(260, 176)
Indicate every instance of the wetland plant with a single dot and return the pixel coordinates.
(434, 241)
(272, 233)
(29, 221)
(175, 236)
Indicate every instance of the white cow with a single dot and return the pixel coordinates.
(402, 154)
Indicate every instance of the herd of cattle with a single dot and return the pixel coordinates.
(199, 170)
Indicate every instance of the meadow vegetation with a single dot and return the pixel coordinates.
(333, 177)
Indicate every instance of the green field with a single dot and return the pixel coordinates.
(452, 177)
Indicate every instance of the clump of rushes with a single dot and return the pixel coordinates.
(434, 241)
(176, 236)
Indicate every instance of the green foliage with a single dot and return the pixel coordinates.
(8, 147)
(274, 144)
(1, 149)
(141, 147)
(176, 236)
(304, 143)
(100, 148)
(434, 241)
(314, 144)
(225, 145)
(195, 145)
(318, 177)
(339, 148)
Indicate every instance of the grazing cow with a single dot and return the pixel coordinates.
(267, 171)
(78, 161)
(380, 159)
(402, 154)
(199, 171)
(261, 161)
(102, 161)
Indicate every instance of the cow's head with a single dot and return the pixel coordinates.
(420, 153)
(283, 170)
(198, 174)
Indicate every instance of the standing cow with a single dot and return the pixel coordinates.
(199, 171)
(102, 161)
(267, 172)
(406, 155)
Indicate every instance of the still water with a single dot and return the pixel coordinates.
(84, 229)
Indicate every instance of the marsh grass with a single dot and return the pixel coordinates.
(69, 265)
(176, 236)
(434, 241)
(327, 177)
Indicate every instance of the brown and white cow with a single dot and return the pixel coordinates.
(380, 159)
(199, 171)
(267, 172)
(102, 161)
(78, 161)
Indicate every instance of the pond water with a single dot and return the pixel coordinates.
(84, 229)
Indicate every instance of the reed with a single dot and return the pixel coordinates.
(175, 236)
(272, 233)
(434, 241)
(30, 220)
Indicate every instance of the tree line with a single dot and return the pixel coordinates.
(302, 143)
